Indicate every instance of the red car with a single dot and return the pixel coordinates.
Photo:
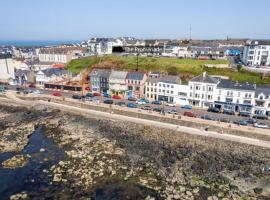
(56, 94)
(116, 97)
(97, 94)
(190, 114)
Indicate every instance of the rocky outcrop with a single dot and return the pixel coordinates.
(15, 161)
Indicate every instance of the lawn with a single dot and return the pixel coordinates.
(187, 68)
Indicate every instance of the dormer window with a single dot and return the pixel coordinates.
(261, 97)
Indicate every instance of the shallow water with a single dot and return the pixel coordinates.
(30, 177)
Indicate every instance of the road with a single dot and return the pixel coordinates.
(179, 129)
(198, 111)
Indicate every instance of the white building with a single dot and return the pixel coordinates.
(235, 96)
(151, 85)
(50, 75)
(61, 54)
(202, 90)
(256, 52)
(262, 101)
(169, 89)
(6, 67)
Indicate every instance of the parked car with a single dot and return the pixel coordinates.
(241, 122)
(144, 100)
(190, 114)
(37, 92)
(121, 103)
(107, 95)
(157, 109)
(171, 104)
(89, 95)
(31, 86)
(56, 94)
(173, 111)
(208, 117)
(96, 94)
(187, 107)
(263, 117)
(30, 91)
(213, 109)
(141, 102)
(156, 102)
(260, 125)
(225, 120)
(228, 112)
(132, 99)
(131, 105)
(108, 101)
(251, 120)
(116, 97)
(146, 108)
(76, 96)
(244, 114)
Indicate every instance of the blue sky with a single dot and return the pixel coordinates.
(82, 19)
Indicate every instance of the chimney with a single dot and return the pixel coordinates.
(204, 74)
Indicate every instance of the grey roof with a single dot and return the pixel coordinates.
(260, 42)
(224, 83)
(20, 72)
(101, 73)
(205, 78)
(5, 55)
(118, 75)
(152, 79)
(135, 75)
(264, 90)
(54, 71)
(170, 79)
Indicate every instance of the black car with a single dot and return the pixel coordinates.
(108, 101)
(251, 120)
(263, 117)
(157, 109)
(207, 117)
(213, 109)
(76, 96)
(228, 112)
(244, 114)
(132, 99)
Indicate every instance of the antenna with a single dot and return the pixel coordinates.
(190, 31)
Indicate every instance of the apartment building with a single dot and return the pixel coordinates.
(117, 83)
(135, 82)
(151, 85)
(257, 52)
(99, 80)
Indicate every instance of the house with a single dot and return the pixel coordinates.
(135, 82)
(99, 80)
(151, 85)
(202, 90)
(262, 101)
(169, 88)
(50, 75)
(61, 54)
(117, 83)
(257, 52)
(6, 67)
(235, 96)
(22, 77)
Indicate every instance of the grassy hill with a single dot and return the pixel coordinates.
(187, 68)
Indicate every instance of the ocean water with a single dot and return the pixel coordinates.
(36, 42)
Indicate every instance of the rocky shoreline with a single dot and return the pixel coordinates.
(110, 159)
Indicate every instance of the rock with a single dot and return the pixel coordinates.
(212, 198)
(19, 196)
(258, 190)
(42, 150)
(16, 161)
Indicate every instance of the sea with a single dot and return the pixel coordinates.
(24, 43)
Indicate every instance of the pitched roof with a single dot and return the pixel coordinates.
(264, 90)
(5, 55)
(224, 83)
(204, 78)
(101, 73)
(54, 72)
(118, 75)
(135, 75)
(170, 79)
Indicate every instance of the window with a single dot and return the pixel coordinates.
(197, 87)
(202, 96)
(210, 89)
(203, 88)
(209, 97)
(151, 95)
(191, 87)
(219, 92)
(168, 86)
(151, 89)
(191, 95)
(239, 94)
(155, 89)
(168, 91)
(197, 96)
(163, 85)
(218, 98)
(159, 85)
(171, 92)
(147, 89)
(159, 90)
(172, 86)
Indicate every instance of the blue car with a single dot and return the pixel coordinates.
(144, 100)
(106, 95)
(131, 105)
(187, 107)
(89, 95)
(241, 122)
(156, 102)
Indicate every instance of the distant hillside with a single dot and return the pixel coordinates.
(186, 68)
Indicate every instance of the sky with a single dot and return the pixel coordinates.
(83, 19)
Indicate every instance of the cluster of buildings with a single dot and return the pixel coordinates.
(201, 91)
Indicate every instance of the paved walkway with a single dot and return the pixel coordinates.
(182, 129)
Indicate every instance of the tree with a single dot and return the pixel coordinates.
(239, 67)
(172, 71)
